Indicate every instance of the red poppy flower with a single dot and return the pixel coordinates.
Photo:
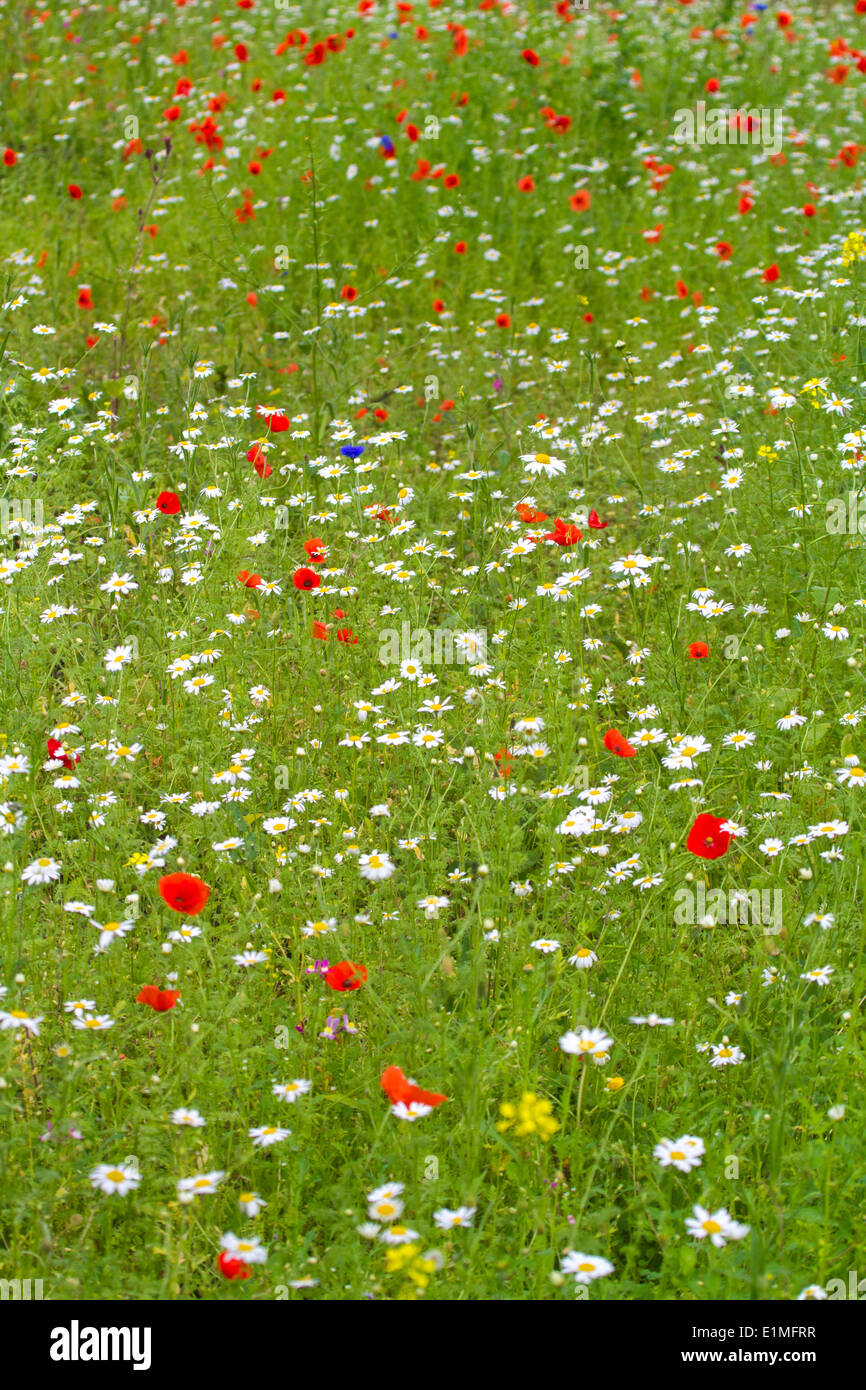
(346, 635)
(770, 274)
(724, 250)
(159, 999)
(451, 181)
(503, 321)
(315, 549)
(260, 464)
(278, 422)
(74, 191)
(320, 631)
(526, 184)
(168, 503)
(232, 1267)
(564, 533)
(304, 578)
(698, 649)
(183, 893)
(706, 837)
(529, 514)
(503, 758)
(615, 743)
(594, 522)
(460, 248)
(398, 1087)
(9, 158)
(530, 57)
(348, 292)
(745, 205)
(249, 581)
(580, 201)
(67, 759)
(85, 300)
(809, 210)
(345, 976)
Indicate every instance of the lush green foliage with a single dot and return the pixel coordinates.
(664, 334)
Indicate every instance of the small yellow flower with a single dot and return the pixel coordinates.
(614, 1083)
(854, 248)
(398, 1257)
(529, 1116)
(407, 1259)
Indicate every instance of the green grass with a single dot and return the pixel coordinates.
(216, 315)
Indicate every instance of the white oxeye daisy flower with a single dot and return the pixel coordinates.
(17, 1018)
(588, 1042)
(585, 1268)
(446, 1219)
(192, 1118)
(375, 866)
(683, 1154)
(265, 1135)
(719, 1226)
(203, 1185)
(41, 871)
(819, 976)
(120, 1179)
(415, 1110)
(290, 1090)
(385, 1208)
(725, 1055)
(248, 1248)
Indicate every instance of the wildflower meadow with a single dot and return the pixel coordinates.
(432, 517)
